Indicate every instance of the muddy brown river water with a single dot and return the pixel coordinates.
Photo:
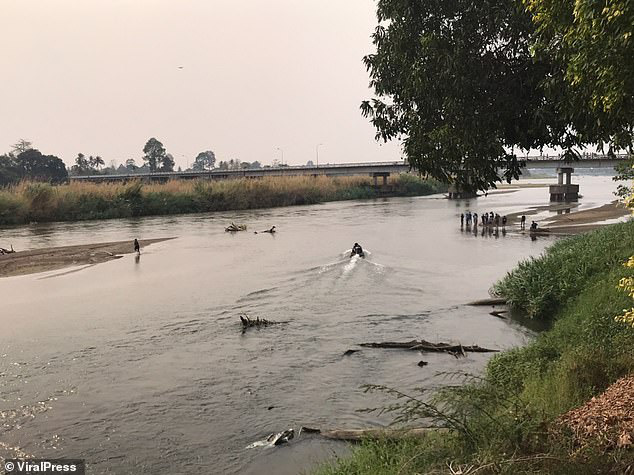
(139, 366)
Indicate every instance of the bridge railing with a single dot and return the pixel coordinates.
(590, 156)
(305, 168)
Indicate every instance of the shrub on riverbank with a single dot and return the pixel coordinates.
(540, 285)
(77, 201)
(505, 422)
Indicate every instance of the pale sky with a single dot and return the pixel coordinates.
(102, 76)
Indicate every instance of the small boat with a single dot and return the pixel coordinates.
(357, 251)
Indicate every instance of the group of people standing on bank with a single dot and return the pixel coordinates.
(490, 220)
(487, 219)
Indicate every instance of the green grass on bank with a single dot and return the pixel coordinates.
(503, 422)
(38, 202)
(540, 285)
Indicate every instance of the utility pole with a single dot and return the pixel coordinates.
(282, 152)
(317, 152)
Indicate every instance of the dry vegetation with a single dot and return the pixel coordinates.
(39, 202)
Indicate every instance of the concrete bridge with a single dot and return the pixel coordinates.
(376, 170)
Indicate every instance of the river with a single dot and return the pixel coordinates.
(140, 365)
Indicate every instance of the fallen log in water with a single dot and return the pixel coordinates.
(234, 228)
(499, 314)
(258, 322)
(426, 346)
(357, 435)
(6, 251)
(486, 302)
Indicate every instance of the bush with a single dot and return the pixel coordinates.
(539, 285)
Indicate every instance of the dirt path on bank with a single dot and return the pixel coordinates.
(42, 260)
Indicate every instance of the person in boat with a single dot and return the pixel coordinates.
(357, 250)
(137, 246)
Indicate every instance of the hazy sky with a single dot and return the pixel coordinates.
(102, 76)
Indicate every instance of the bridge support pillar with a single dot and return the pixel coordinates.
(457, 193)
(375, 179)
(564, 191)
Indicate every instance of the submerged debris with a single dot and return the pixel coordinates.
(426, 346)
(487, 302)
(350, 352)
(258, 322)
(274, 439)
(499, 314)
(234, 228)
(4, 251)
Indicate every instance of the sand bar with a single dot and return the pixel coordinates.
(42, 260)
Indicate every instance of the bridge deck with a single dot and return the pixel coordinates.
(342, 169)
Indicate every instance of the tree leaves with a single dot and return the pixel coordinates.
(462, 84)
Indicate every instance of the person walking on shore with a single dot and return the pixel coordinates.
(523, 222)
(461, 219)
(475, 219)
(137, 246)
(503, 222)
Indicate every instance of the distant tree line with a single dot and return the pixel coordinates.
(24, 162)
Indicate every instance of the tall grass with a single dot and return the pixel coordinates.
(539, 285)
(503, 421)
(28, 201)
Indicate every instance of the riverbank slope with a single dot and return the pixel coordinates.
(509, 421)
(37, 202)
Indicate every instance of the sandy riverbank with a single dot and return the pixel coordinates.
(571, 221)
(42, 260)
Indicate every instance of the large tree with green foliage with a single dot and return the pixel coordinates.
(9, 171)
(464, 84)
(33, 165)
(154, 154)
(167, 165)
(591, 47)
(204, 160)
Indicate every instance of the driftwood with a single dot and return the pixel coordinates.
(258, 322)
(4, 251)
(274, 439)
(426, 346)
(357, 435)
(234, 228)
(499, 314)
(489, 301)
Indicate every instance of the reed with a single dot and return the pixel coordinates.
(539, 285)
(29, 201)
